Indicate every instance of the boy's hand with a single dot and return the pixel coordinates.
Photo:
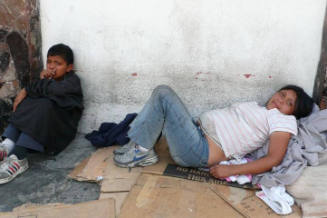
(21, 95)
(47, 74)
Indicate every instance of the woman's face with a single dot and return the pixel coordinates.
(284, 101)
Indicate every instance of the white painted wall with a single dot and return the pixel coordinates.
(203, 49)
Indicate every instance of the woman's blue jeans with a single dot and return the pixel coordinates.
(165, 113)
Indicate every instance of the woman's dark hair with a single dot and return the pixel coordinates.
(303, 104)
(63, 51)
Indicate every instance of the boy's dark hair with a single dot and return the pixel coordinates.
(63, 51)
(303, 104)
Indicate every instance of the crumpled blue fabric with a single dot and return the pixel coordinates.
(111, 133)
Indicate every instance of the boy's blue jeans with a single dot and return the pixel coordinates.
(165, 113)
(21, 139)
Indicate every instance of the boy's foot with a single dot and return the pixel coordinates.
(12, 167)
(134, 158)
(3, 152)
(123, 149)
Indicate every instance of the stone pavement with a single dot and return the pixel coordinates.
(46, 180)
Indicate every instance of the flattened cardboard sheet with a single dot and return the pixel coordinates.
(118, 179)
(92, 168)
(100, 168)
(119, 198)
(160, 196)
(78, 169)
(201, 176)
(247, 203)
(101, 209)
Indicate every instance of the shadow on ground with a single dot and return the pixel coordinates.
(46, 180)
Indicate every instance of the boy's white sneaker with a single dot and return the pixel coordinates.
(12, 167)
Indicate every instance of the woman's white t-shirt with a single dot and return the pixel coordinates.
(244, 127)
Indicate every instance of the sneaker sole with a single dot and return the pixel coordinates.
(20, 171)
(142, 163)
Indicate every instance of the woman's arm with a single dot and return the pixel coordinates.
(278, 142)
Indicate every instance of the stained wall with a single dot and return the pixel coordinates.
(213, 53)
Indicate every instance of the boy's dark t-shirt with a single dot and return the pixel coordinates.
(51, 111)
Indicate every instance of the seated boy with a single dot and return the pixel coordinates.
(45, 114)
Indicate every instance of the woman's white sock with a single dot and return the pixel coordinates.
(10, 144)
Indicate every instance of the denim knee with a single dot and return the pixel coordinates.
(163, 90)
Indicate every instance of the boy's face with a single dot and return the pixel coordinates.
(58, 66)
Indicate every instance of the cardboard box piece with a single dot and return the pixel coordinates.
(100, 168)
(119, 198)
(92, 168)
(247, 203)
(101, 209)
(159, 196)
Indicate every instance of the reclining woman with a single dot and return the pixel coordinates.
(218, 135)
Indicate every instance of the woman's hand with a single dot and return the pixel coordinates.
(47, 74)
(221, 171)
(21, 95)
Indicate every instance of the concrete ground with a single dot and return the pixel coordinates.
(46, 180)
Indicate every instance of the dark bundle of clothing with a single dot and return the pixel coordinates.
(51, 111)
(111, 133)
